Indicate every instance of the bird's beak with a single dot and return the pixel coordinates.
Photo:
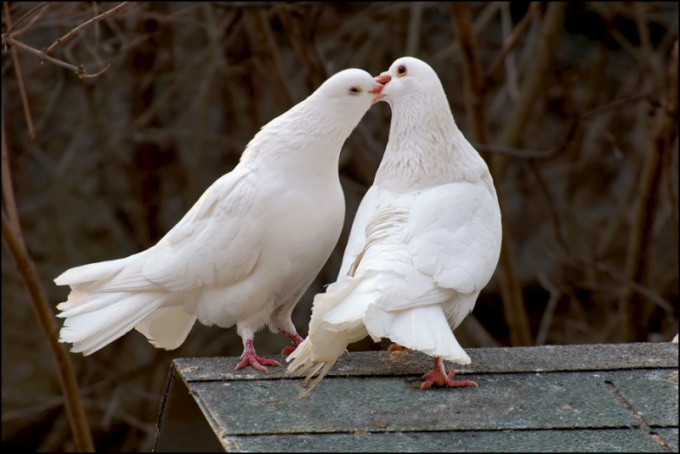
(383, 78)
(377, 90)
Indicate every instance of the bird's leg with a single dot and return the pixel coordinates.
(295, 338)
(396, 351)
(250, 358)
(438, 377)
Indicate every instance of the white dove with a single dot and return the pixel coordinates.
(246, 251)
(425, 240)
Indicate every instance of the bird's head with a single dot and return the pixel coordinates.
(408, 76)
(354, 89)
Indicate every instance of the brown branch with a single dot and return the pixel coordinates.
(302, 46)
(414, 23)
(474, 81)
(535, 75)
(9, 208)
(646, 204)
(263, 42)
(77, 417)
(80, 27)
(78, 70)
(513, 302)
(546, 320)
(554, 216)
(512, 40)
(20, 77)
(28, 13)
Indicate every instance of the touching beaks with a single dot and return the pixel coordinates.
(377, 90)
(383, 78)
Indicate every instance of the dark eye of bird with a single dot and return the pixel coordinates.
(401, 70)
(354, 91)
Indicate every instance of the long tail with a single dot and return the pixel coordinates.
(102, 307)
(95, 320)
(337, 321)
(425, 329)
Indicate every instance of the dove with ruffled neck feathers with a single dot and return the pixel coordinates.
(425, 240)
(246, 251)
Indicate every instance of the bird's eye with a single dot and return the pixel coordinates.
(354, 91)
(401, 70)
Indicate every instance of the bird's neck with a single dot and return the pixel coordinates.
(303, 142)
(425, 148)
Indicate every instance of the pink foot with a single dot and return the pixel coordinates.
(439, 377)
(396, 351)
(250, 358)
(295, 338)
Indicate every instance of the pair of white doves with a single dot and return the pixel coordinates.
(425, 240)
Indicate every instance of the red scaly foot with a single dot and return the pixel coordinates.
(396, 351)
(439, 377)
(250, 358)
(295, 338)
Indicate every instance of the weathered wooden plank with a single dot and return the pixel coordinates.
(609, 440)
(484, 360)
(615, 398)
(504, 401)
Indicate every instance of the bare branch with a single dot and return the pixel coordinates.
(78, 70)
(414, 21)
(512, 40)
(80, 27)
(555, 295)
(31, 11)
(74, 407)
(513, 301)
(20, 77)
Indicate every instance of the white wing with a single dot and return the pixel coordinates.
(374, 198)
(429, 265)
(215, 243)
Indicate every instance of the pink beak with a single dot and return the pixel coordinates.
(383, 78)
(377, 90)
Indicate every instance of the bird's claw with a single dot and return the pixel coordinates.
(436, 378)
(288, 350)
(396, 351)
(257, 362)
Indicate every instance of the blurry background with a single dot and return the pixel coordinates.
(573, 106)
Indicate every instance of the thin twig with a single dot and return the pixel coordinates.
(9, 208)
(513, 301)
(549, 311)
(554, 216)
(414, 21)
(20, 77)
(263, 41)
(512, 40)
(31, 11)
(78, 70)
(13, 239)
(78, 29)
(74, 407)
(302, 46)
(535, 75)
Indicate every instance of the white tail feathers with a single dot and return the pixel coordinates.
(94, 321)
(337, 321)
(422, 328)
(167, 327)
(303, 363)
(99, 271)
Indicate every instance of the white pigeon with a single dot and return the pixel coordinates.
(246, 251)
(425, 240)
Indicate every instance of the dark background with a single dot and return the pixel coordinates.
(579, 116)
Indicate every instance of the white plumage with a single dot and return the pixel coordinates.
(246, 251)
(425, 240)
